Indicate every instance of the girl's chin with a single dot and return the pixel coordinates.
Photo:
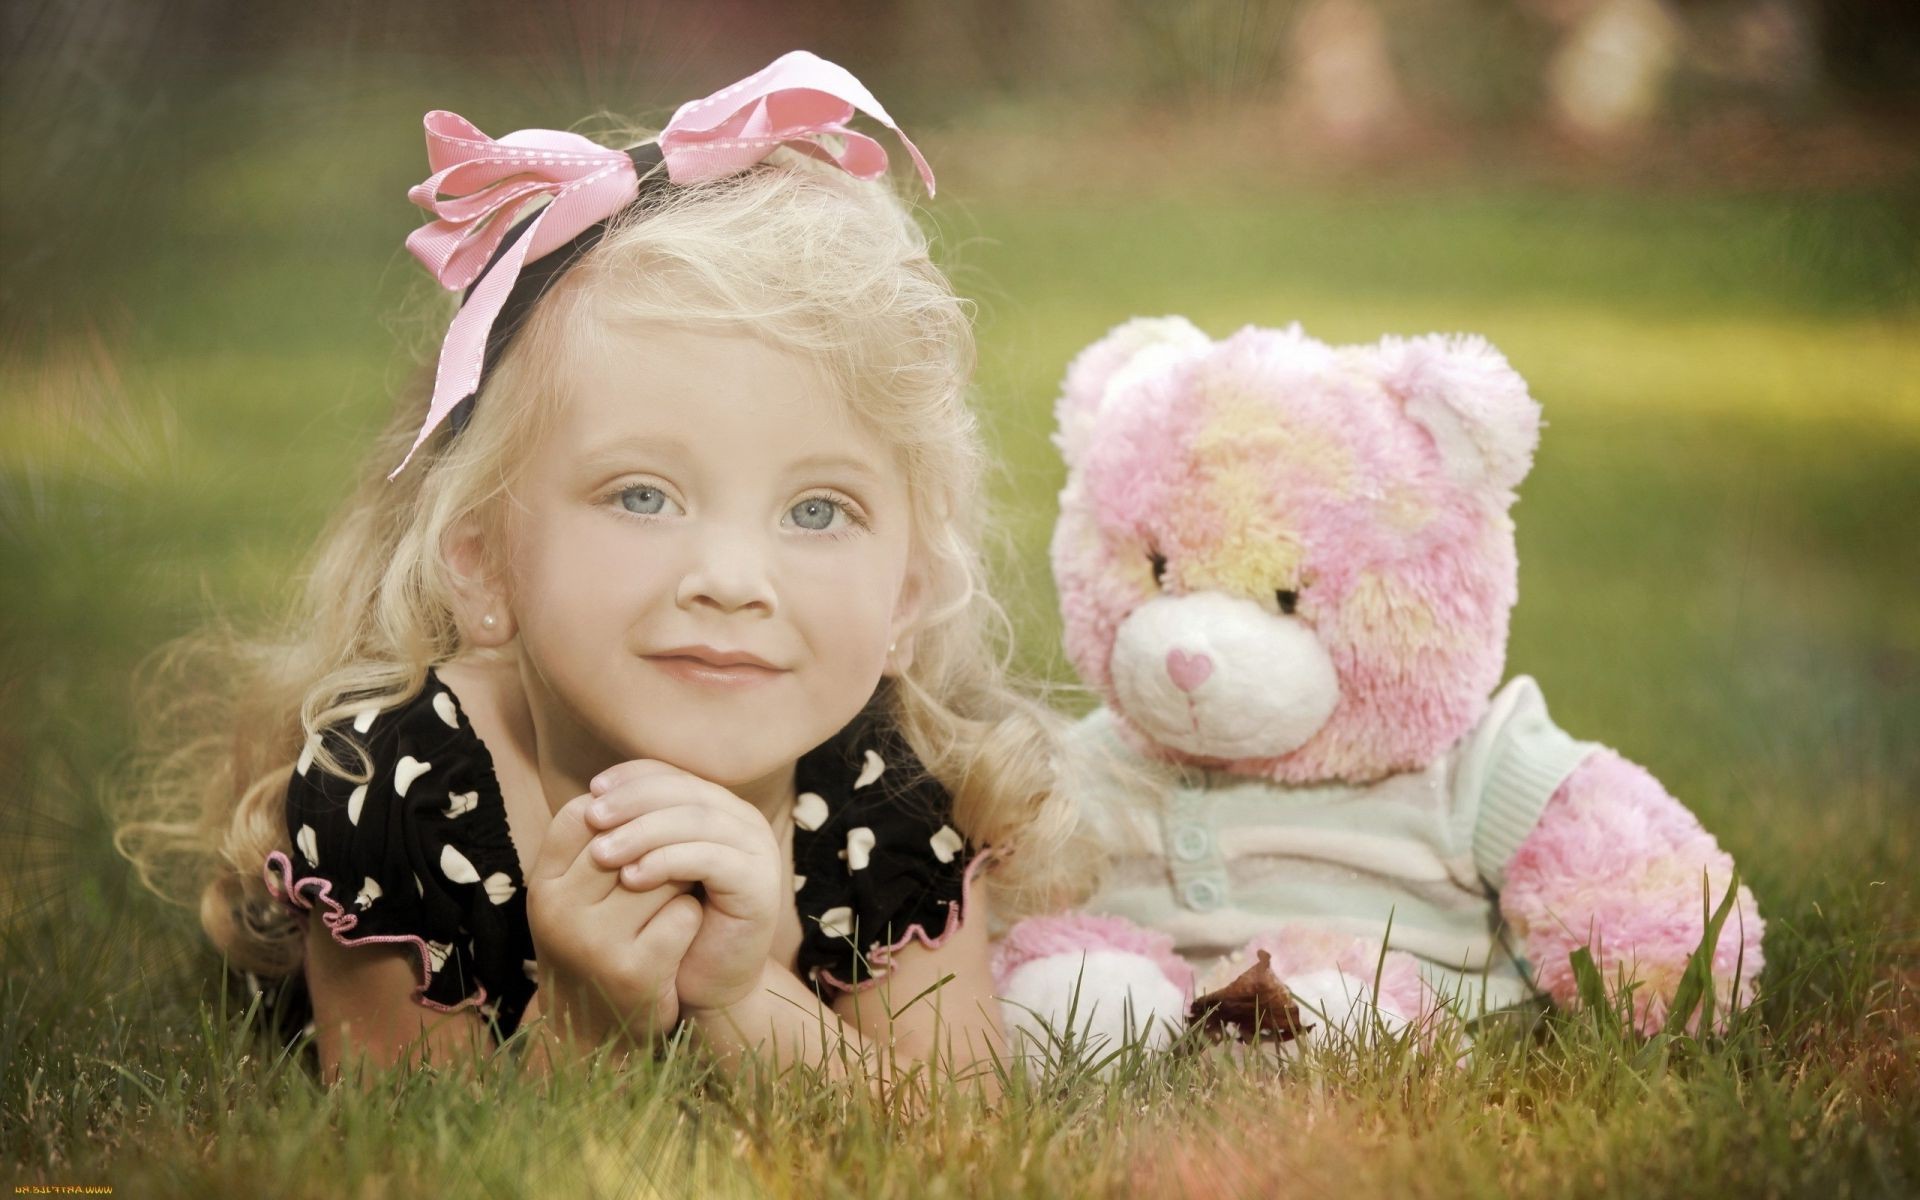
(738, 739)
(720, 757)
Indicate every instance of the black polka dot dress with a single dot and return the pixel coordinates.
(877, 861)
(419, 856)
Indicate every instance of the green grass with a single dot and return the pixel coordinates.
(1719, 556)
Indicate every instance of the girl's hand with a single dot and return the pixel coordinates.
(668, 825)
(607, 954)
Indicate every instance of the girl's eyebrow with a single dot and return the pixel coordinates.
(836, 462)
(615, 451)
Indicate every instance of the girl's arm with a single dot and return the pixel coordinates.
(606, 954)
(937, 1004)
(933, 1012)
(365, 1019)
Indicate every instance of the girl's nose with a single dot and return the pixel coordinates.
(728, 572)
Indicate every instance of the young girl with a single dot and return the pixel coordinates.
(656, 685)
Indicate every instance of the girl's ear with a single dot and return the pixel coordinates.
(906, 611)
(480, 604)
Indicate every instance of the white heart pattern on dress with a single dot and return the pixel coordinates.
(354, 804)
(437, 952)
(309, 845)
(363, 721)
(459, 804)
(859, 847)
(406, 771)
(369, 892)
(443, 705)
(809, 811)
(454, 866)
(418, 886)
(307, 753)
(837, 922)
(869, 771)
(530, 969)
(499, 887)
(799, 881)
(946, 844)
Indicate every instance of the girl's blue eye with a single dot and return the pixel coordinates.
(815, 512)
(642, 499)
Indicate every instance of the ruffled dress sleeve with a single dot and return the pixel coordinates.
(416, 856)
(877, 860)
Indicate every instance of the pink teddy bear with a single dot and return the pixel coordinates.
(1287, 568)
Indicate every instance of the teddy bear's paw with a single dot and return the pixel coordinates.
(1089, 983)
(1345, 1006)
(1096, 1001)
(1619, 867)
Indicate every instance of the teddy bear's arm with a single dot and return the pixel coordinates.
(1616, 864)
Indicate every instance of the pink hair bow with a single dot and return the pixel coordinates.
(479, 185)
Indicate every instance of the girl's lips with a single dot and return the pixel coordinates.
(694, 670)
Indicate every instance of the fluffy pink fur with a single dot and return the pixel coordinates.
(1077, 933)
(1616, 864)
(1470, 400)
(1406, 576)
(1084, 389)
(1386, 472)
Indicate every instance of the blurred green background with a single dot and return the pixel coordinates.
(1695, 229)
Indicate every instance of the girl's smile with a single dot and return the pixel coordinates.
(701, 665)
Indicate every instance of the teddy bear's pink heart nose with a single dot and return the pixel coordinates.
(1188, 671)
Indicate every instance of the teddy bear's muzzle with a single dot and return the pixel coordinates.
(1220, 677)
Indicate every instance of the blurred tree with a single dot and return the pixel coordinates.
(1208, 54)
(1344, 89)
(1608, 76)
(1870, 50)
(1472, 64)
(88, 90)
(1757, 54)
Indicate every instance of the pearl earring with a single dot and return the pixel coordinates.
(489, 621)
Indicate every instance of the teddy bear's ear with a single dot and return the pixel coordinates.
(1129, 350)
(1476, 407)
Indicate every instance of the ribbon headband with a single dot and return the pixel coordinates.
(480, 184)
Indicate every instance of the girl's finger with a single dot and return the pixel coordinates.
(628, 908)
(639, 792)
(566, 838)
(637, 768)
(564, 871)
(728, 876)
(681, 823)
(664, 937)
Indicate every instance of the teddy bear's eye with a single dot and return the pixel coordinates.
(1159, 562)
(1289, 600)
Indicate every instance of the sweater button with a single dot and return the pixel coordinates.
(1190, 843)
(1202, 895)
